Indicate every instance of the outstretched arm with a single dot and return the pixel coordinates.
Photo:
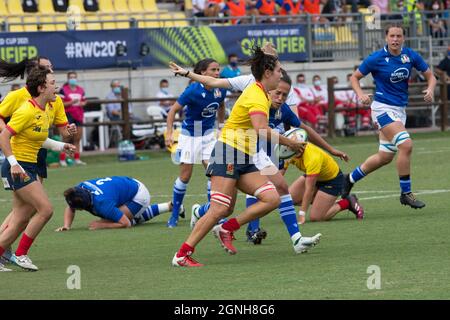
(205, 80)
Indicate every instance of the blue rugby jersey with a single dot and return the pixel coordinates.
(391, 74)
(109, 194)
(200, 107)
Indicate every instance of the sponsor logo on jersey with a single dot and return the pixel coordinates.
(210, 110)
(399, 75)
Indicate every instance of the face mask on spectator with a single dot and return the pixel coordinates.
(317, 82)
(164, 90)
(435, 6)
(233, 64)
(72, 82)
(117, 90)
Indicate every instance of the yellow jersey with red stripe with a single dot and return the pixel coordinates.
(238, 130)
(315, 161)
(15, 99)
(29, 126)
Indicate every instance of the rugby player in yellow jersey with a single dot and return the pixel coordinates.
(231, 166)
(11, 104)
(321, 185)
(25, 134)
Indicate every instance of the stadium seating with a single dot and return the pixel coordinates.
(62, 23)
(46, 7)
(94, 24)
(108, 22)
(15, 7)
(33, 20)
(150, 6)
(135, 6)
(46, 23)
(150, 24)
(180, 23)
(121, 6)
(105, 6)
(3, 9)
(123, 21)
(17, 27)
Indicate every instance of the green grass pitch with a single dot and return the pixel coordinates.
(410, 247)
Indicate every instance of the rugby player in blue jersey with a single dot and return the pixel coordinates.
(200, 104)
(391, 69)
(120, 202)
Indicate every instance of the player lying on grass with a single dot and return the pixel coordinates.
(321, 185)
(120, 202)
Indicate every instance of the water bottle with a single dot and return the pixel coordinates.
(130, 151)
(121, 150)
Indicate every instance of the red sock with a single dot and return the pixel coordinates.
(77, 156)
(344, 204)
(185, 250)
(24, 245)
(1, 251)
(62, 156)
(231, 225)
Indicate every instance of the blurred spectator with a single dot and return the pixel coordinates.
(443, 69)
(291, 8)
(267, 8)
(232, 69)
(114, 109)
(164, 93)
(383, 5)
(74, 101)
(235, 8)
(213, 7)
(435, 21)
(252, 10)
(198, 8)
(334, 7)
(15, 86)
(313, 7)
(306, 110)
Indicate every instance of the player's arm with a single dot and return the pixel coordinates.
(113, 218)
(170, 119)
(354, 80)
(68, 130)
(69, 215)
(2, 124)
(315, 138)
(310, 184)
(221, 114)
(260, 124)
(431, 81)
(205, 80)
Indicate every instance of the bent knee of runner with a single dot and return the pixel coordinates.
(268, 194)
(220, 205)
(402, 141)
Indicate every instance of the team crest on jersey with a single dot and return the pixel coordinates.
(387, 59)
(203, 94)
(230, 169)
(278, 114)
(217, 93)
(405, 58)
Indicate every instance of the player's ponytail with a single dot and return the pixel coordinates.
(10, 71)
(260, 62)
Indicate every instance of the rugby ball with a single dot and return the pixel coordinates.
(283, 152)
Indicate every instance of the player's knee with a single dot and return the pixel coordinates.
(402, 141)
(46, 212)
(268, 194)
(406, 147)
(220, 205)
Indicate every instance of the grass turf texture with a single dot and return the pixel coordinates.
(410, 246)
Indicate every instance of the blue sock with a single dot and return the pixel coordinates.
(288, 215)
(202, 210)
(405, 184)
(151, 212)
(357, 175)
(208, 186)
(179, 189)
(252, 225)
